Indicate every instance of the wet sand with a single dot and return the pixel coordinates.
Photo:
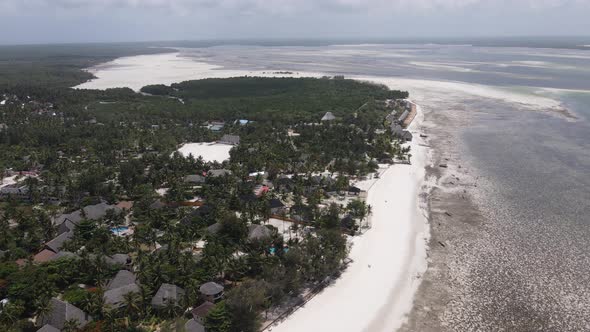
(490, 268)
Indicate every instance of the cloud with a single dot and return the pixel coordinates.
(185, 7)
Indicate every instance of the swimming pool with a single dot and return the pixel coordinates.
(119, 230)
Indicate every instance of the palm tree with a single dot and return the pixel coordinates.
(132, 302)
(70, 325)
(171, 309)
(43, 308)
(110, 320)
(93, 303)
(369, 211)
(145, 300)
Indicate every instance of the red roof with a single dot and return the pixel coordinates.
(203, 310)
(44, 256)
(127, 205)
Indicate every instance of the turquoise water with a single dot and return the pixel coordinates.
(118, 230)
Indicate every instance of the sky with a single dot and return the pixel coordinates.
(58, 21)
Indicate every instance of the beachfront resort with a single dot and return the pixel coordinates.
(201, 222)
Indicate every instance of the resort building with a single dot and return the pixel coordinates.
(328, 117)
(216, 126)
(167, 294)
(230, 139)
(193, 326)
(56, 244)
(277, 207)
(259, 232)
(60, 313)
(407, 136)
(15, 192)
(44, 256)
(48, 328)
(120, 260)
(403, 117)
(90, 212)
(123, 283)
(194, 179)
(199, 313)
(215, 173)
(212, 291)
(354, 191)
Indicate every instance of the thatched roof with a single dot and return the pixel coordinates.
(56, 244)
(61, 312)
(115, 297)
(123, 278)
(193, 326)
(202, 311)
(259, 232)
(48, 328)
(211, 288)
(328, 117)
(167, 293)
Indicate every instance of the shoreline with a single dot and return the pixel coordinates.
(459, 254)
(386, 261)
(136, 72)
(389, 258)
(122, 72)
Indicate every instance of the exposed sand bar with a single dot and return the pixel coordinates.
(136, 72)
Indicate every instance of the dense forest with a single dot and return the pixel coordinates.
(60, 65)
(76, 152)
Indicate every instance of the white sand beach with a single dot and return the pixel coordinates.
(377, 288)
(209, 151)
(138, 71)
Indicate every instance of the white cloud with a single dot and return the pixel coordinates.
(272, 6)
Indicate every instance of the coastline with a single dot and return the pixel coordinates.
(376, 290)
(395, 247)
(469, 284)
(136, 72)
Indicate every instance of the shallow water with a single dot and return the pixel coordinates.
(551, 68)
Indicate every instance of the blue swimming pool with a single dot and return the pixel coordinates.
(118, 230)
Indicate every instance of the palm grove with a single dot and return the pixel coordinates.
(114, 148)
